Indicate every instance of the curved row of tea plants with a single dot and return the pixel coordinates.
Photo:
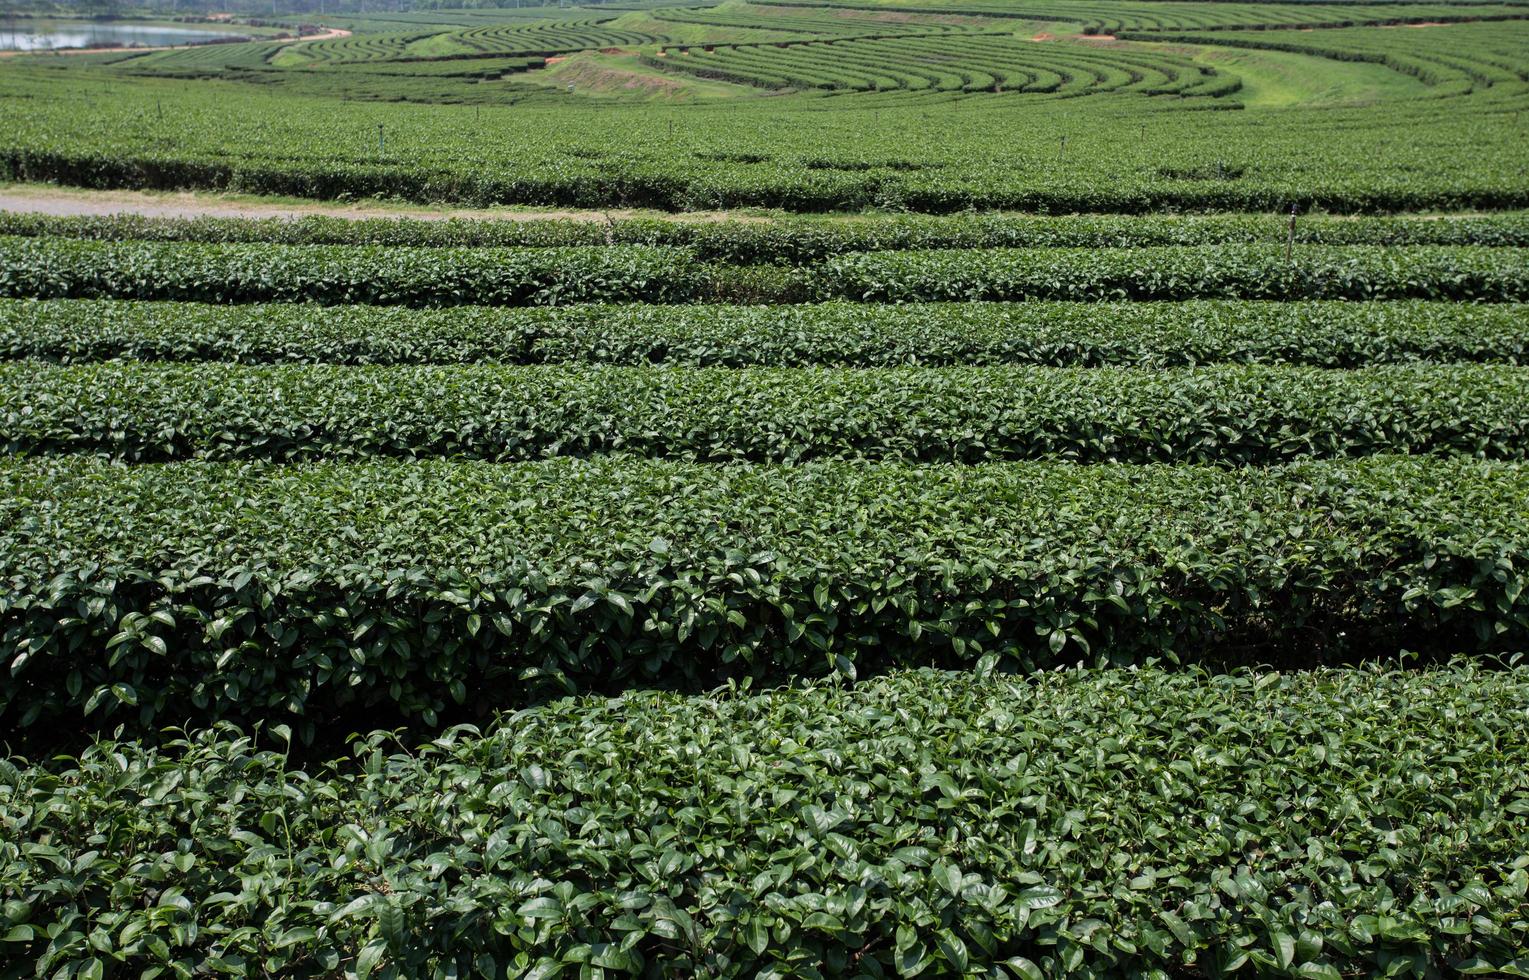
(480, 68)
(202, 61)
(545, 38)
(1319, 334)
(1196, 15)
(752, 21)
(941, 824)
(1214, 414)
(791, 240)
(353, 48)
(1108, 16)
(353, 593)
(998, 63)
(1464, 60)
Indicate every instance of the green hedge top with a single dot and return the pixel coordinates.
(46, 268)
(148, 595)
(1222, 413)
(59, 267)
(1090, 824)
(856, 519)
(793, 240)
(1227, 271)
(1322, 334)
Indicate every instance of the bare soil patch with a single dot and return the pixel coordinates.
(328, 35)
(596, 77)
(70, 202)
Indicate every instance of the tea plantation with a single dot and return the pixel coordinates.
(1066, 514)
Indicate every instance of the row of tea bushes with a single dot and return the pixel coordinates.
(1320, 334)
(154, 594)
(49, 268)
(1085, 823)
(1216, 414)
(794, 240)
(222, 273)
(1227, 271)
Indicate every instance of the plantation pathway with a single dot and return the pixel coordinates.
(78, 202)
(328, 35)
(65, 201)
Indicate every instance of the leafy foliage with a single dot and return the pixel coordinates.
(1321, 334)
(49, 267)
(144, 595)
(1229, 271)
(1063, 126)
(966, 62)
(791, 239)
(1231, 414)
(54, 267)
(805, 495)
(1086, 824)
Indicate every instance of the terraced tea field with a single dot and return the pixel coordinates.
(1092, 542)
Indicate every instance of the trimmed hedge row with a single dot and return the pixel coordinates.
(1082, 824)
(147, 595)
(681, 182)
(1322, 334)
(1227, 271)
(57, 267)
(1219, 414)
(47, 268)
(792, 241)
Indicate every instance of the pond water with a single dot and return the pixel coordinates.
(48, 35)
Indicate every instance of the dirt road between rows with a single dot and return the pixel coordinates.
(50, 199)
(66, 202)
(328, 35)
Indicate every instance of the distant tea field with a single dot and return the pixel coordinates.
(818, 488)
(940, 107)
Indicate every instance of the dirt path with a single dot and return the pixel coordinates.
(328, 35)
(65, 201)
(74, 202)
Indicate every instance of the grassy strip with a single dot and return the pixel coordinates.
(1218, 414)
(1229, 271)
(794, 240)
(47, 268)
(144, 595)
(1321, 334)
(1111, 823)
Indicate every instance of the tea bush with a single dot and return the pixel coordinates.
(156, 594)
